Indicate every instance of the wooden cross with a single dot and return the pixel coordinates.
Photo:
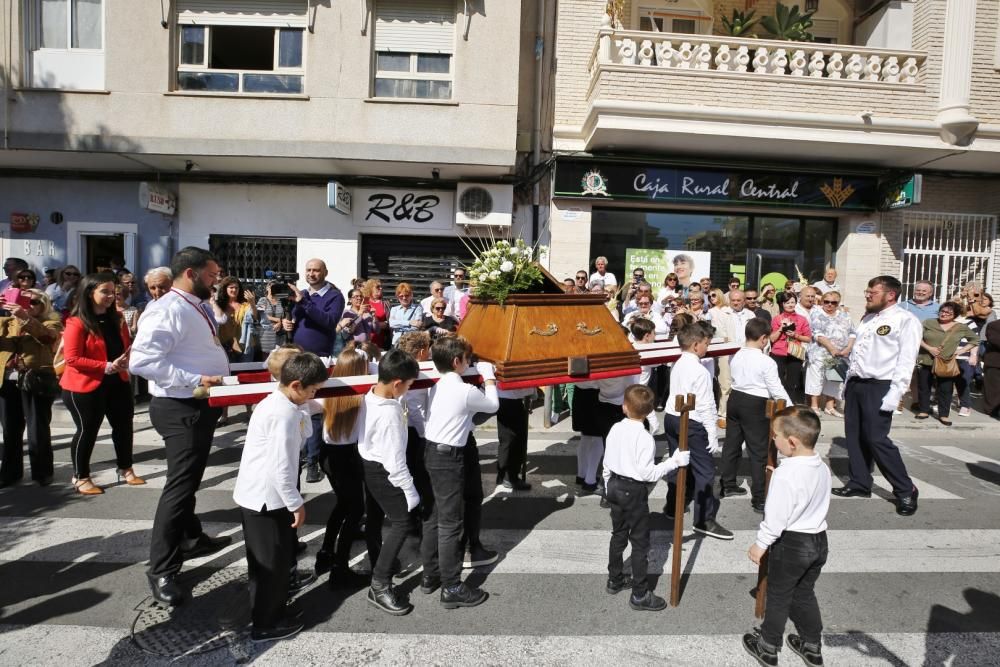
(683, 405)
(773, 408)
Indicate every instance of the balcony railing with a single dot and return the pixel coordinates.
(803, 61)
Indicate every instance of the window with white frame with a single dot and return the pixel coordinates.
(688, 18)
(66, 44)
(234, 47)
(414, 49)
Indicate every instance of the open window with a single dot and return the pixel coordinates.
(65, 41)
(241, 47)
(414, 49)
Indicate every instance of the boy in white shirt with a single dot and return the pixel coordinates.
(629, 475)
(266, 491)
(382, 446)
(689, 376)
(451, 407)
(754, 380)
(418, 345)
(794, 533)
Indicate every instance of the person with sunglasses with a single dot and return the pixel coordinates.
(833, 336)
(768, 300)
(437, 322)
(437, 292)
(671, 289)
(67, 280)
(25, 279)
(753, 305)
(11, 267)
(28, 338)
(580, 282)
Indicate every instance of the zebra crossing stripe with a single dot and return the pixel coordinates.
(978, 460)
(537, 551)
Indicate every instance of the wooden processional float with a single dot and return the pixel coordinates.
(540, 339)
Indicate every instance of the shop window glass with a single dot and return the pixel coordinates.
(776, 233)
(817, 243)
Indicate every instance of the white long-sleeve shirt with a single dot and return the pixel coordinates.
(798, 499)
(688, 376)
(176, 345)
(416, 409)
(886, 348)
(755, 373)
(630, 451)
(451, 405)
(383, 440)
(269, 468)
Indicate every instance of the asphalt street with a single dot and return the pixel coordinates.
(923, 590)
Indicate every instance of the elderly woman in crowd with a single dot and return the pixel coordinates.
(436, 323)
(28, 337)
(944, 339)
(407, 316)
(834, 335)
(645, 310)
(66, 281)
(95, 383)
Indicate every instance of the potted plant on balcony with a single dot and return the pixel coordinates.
(789, 23)
(740, 24)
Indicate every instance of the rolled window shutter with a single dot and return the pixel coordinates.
(415, 26)
(276, 13)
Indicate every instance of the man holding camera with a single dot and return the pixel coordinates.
(313, 326)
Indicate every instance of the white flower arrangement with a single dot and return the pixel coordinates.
(503, 268)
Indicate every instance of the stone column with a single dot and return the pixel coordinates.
(958, 125)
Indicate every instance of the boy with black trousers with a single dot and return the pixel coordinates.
(267, 493)
(754, 381)
(451, 407)
(629, 475)
(382, 446)
(793, 533)
(689, 376)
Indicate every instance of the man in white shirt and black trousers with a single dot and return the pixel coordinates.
(755, 380)
(451, 407)
(878, 375)
(177, 349)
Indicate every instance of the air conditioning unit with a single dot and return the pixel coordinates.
(482, 204)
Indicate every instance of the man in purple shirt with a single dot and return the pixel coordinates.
(317, 310)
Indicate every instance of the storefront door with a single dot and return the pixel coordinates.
(773, 266)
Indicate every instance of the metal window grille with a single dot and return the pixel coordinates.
(249, 257)
(417, 260)
(949, 250)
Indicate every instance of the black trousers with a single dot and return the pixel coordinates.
(472, 494)
(512, 430)
(187, 426)
(441, 548)
(112, 399)
(392, 501)
(17, 410)
(343, 467)
(866, 429)
(415, 444)
(793, 565)
(746, 421)
(270, 546)
(944, 387)
(700, 471)
(790, 373)
(629, 501)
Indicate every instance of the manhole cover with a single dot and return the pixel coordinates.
(214, 617)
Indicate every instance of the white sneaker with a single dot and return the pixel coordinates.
(965, 412)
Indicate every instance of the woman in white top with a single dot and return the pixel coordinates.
(671, 289)
(717, 300)
(341, 462)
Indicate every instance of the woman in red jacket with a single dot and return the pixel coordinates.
(95, 383)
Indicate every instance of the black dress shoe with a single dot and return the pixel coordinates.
(282, 630)
(166, 590)
(732, 492)
(324, 561)
(205, 545)
(453, 597)
(757, 507)
(44, 481)
(618, 585)
(752, 645)
(389, 600)
(907, 506)
(579, 481)
(313, 473)
(851, 492)
(299, 581)
(648, 602)
(429, 584)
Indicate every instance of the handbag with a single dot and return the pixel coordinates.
(838, 371)
(59, 360)
(946, 368)
(41, 383)
(797, 350)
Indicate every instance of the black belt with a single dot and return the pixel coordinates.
(623, 478)
(855, 378)
(753, 397)
(443, 448)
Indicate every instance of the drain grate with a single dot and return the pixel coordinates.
(215, 617)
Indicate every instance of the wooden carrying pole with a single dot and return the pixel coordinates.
(773, 408)
(683, 405)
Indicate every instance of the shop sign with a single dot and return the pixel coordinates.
(866, 227)
(338, 197)
(153, 197)
(679, 185)
(909, 194)
(390, 209)
(24, 223)
(657, 263)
